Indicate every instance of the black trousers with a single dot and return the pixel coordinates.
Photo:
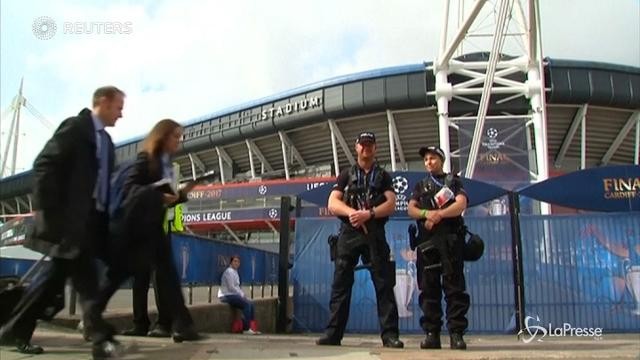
(140, 288)
(155, 255)
(168, 283)
(353, 244)
(433, 282)
(83, 273)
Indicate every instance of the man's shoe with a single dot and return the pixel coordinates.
(26, 348)
(107, 349)
(393, 343)
(457, 342)
(159, 331)
(85, 330)
(325, 340)
(135, 332)
(185, 335)
(431, 341)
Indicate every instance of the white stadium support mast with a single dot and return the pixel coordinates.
(18, 102)
(510, 25)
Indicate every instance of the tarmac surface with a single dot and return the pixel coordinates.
(66, 344)
(62, 343)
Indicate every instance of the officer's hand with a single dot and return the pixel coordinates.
(428, 224)
(169, 198)
(434, 216)
(358, 218)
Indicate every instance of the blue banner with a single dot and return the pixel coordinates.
(202, 261)
(489, 280)
(583, 270)
(403, 182)
(257, 189)
(611, 188)
(502, 157)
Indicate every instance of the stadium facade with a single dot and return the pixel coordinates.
(299, 139)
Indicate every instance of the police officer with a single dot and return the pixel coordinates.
(363, 199)
(437, 203)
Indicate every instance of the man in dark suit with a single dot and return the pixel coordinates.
(70, 193)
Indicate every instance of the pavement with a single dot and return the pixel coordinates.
(66, 344)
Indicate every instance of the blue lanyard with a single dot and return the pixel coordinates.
(367, 179)
(435, 180)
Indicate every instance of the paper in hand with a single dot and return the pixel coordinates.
(444, 196)
(161, 182)
(205, 177)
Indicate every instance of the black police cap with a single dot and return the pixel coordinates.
(432, 149)
(366, 136)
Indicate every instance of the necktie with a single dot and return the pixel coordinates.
(103, 171)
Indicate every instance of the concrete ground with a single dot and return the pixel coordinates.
(65, 344)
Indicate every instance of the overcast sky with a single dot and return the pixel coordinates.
(185, 59)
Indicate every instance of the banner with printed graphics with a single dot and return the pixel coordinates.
(610, 188)
(257, 189)
(403, 183)
(503, 157)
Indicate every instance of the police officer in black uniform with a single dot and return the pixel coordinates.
(437, 203)
(363, 199)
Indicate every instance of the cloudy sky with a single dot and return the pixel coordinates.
(185, 59)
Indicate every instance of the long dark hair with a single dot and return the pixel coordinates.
(154, 142)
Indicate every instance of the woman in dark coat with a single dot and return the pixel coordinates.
(139, 242)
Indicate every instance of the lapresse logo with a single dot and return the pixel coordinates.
(536, 331)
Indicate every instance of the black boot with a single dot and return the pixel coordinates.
(134, 331)
(326, 340)
(457, 342)
(431, 341)
(393, 342)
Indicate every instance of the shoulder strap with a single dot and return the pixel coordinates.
(448, 180)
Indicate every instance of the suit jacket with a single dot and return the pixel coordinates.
(65, 176)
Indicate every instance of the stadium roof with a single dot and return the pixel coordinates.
(611, 93)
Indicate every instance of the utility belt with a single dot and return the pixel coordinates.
(346, 230)
(443, 242)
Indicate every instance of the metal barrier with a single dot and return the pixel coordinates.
(571, 274)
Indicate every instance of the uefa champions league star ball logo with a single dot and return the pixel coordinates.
(44, 28)
(492, 133)
(262, 189)
(400, 184)
(273, 213)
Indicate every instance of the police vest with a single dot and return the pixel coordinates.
(364, 191)
(429, 186)
(175, 214)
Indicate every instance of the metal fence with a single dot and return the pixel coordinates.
(576, 271)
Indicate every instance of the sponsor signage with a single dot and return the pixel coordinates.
(610, 188)
(266, 214)
(291, 107)
(403, 183)
(257, 189)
